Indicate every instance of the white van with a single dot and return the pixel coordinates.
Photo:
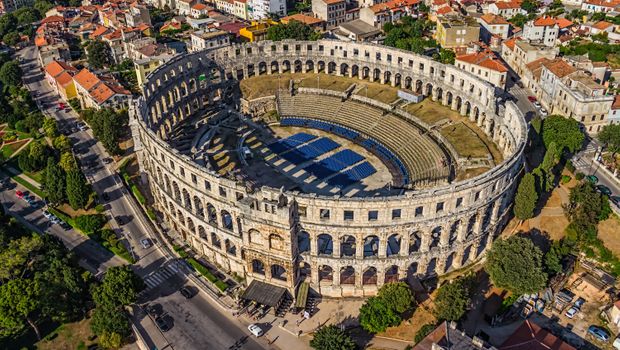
(257, 331)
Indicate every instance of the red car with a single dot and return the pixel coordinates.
(19, 194)
(531, 98)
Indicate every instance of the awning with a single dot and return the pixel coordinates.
(302, 295)
(264, 293)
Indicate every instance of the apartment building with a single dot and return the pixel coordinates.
(517, 53)
(260, 9)
(493, 25)
(99, 92)
(333, 12)
(506, 9)
(485, 65)
(457, 31)
(392, 11)
(208, 39)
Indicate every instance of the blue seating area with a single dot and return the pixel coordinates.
(353, 175)
(290, 142)
(325, 126)
(334, 164)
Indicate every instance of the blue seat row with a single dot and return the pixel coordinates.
(334, 164)
(290, 142)
(360, 171)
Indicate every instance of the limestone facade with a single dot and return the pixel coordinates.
(343, 246)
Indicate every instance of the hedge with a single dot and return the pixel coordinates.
(62, 216)
(90, 223)
(182, 253)
(151, 214)
(207, 274)
(29, 186)
(138, 194)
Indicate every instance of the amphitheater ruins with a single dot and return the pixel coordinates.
(316, 180)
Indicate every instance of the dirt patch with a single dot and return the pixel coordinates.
(431, 112)
(470, 173)
(608, 233)
(408, 328)
(465, 141)
(66, 208)
(68, 336)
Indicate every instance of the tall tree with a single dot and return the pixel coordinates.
(515, 263)
(396, 295)
(610, 136)
(98, 54)
(119, 287)
(77, 189)
(565, 132)
(292, 30)
(11, 74)
(54, 182)
(332, 338)
(376, 316)
(453, 299)
(50, 127)
(19, 299)
(526, 198)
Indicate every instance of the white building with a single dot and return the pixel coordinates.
(600, 5)
(493, 25)
(484, 65)
(260, 9)
(506, 9)
(208, 39)
(544, 30)
(614, 112)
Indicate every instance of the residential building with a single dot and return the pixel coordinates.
(357, 30)
(199, 11)
(544, 30)
(602, 26)
(333, 12)
(457, 31)
(137, 14)
(184, 7)
(485, 65)
(600, 5)
(447, 336)
(506, 9)
(238, 8)
(614, 118)
(208, 39)
(313, 22)
(12, 5)
(260, 9)
(600, 71)
(562, 89)
(379, 14)
(59, 75)
(99, 92)
(517, 53)
(145, 66)
(257, 31)
(493, 25)
(53, 50)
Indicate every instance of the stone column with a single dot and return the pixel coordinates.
(358, 278)
(434, 94)
(350, 72)
(313, 245)
(359, 247)
(314, 273)
(404, 245)
(440, 268)
(478, 223)
(495, 213)
(360, 73)
(444, 238)
(336, 252)
(336, 275)
(380, 277)
(457, 262)
(462, 231)
(316, 68)
(422, 266)
(268, 69)
(454, 105)
(425, 242)
(304, 67)
(464, 109)
(382, 247)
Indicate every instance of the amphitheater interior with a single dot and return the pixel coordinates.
(338, 165)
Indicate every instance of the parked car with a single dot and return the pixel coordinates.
(162, 324)
(186, 292)
(543, 112)
(598, 333)
(255, 330)
(145, 243)
(19, 194)
(570, 313)
(152, 309)
(604, 190)
(592, 179)
(579, 303)
(615, 200)
(537, 104)
(531, 98)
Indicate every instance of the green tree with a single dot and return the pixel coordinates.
(54, 182)
(8, 23)
(120, 287)
(19, 299)
(98, 54)
(396, 295)
(530, 6)
(515, 263)
(26, 15)
(565, 132)
(11, 74)
(586, 209)
(376, 316)
(424, 331)
(453, 298)
(77, 189)
(62, 144)
(11, 38)
(557, 252)
(67, 161)
(446, 56)
(292, 30)
(332, 338)
(610, 136)
(17, 254)
(110, 320)
(50, 127)
(526, 198)
(43, 6)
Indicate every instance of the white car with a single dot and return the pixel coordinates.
(571, 312)
(145, 243)
(537, 104)
(255, 330)
(543, 112)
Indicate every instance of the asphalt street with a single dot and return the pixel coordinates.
(196, 323)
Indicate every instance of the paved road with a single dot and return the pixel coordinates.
(197, 324)
(584, 163)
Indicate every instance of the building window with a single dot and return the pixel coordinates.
(324, 213)
(419, 211)
(396, 214)
(207, 185)
(222, 191)
(348, 215)
(439, 207)
(373, 215)
(302, 211)
(477, 196)
(459, 202)
(194, 179)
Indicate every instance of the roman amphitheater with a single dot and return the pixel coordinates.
(343, 165)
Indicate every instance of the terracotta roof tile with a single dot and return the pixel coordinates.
(332, 2)
(616, 105)
(40, 41)
(99, 31)
(505, 5)
(490, 18)
(300, 17)
(64, 79)
(54, 68)
(199, 7)
(510, 43)
(53, 19)
(530, 336)
(559, 67)
(603, 3)
(544, 21)
(86, 79)
(484, 59)
(602, 25)
(563, 22)
(443, 10)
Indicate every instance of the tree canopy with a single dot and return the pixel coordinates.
(610, 136)
(332, 338)
(108, 126)
(78, 190)
(515, 263)
(54, 182)
(98, 54)
(565, 132)
(292, 30)
(409, 34)
(526, 197)
(397, 295)
(453, 299)
(11, 74)
(376, 315)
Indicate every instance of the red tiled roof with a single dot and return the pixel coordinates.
(332, 2)
(510, 43)
(54, 68)
(86, 79)
(64, 79)
(493, 19)
(443, 10)
(40, 41)
(602, 25)
(559, 67)
(530, 336)
(300, 17)
(52, 19)
(603, 3)
(199, 7)
(544, 21)
(505, 5)
(484, 59)
(99, 31)
(563, 22)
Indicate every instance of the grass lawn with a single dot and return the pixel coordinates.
(10, 148)
(264, 85)
(608, 233)
(324, 81)
(470, 173)
(431, 112)
(68, 336)
(267, 85)
(376, 91)
(465, 141)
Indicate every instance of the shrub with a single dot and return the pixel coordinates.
(99, 208)
(90, 223)
(565, 179)
(424, 331)
(570, 167)
(579, 176)
(151, 214)
(138, 194)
